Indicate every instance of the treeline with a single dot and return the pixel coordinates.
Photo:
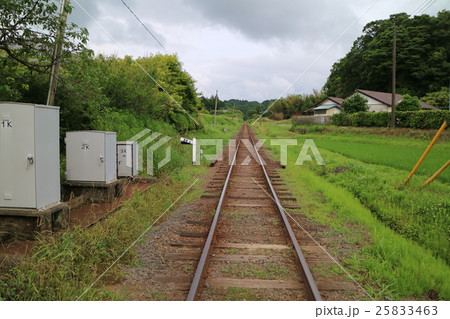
(246, 109)
(280, 109)
(423, 49)
(284, 108)
(90, 86)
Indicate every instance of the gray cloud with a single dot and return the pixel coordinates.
(248, 49)
(282, 19)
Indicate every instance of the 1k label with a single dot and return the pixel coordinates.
(6, 124)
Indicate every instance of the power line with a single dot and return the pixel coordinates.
(136, 62)
(317, 59)
(426, 8)
(145, 27)
(420, 7)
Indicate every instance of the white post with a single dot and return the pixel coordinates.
(194, 151)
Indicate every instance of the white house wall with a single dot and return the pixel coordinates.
(376, 106)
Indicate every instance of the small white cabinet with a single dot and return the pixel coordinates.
(127, 159)
(29, 155)
(91, 156)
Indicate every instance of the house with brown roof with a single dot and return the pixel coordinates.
(382, 102)
(326, 107)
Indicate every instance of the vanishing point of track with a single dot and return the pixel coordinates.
(269, 241)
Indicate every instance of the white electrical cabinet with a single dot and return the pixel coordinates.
(127, 159)
(29, 155)
(91, 156)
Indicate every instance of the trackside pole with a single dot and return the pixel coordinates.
(436, 174)
(444, 125)
(192, 142)
(194, 151)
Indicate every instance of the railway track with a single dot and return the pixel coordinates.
(250, 245)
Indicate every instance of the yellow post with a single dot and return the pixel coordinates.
(444, 125)
(436, 174)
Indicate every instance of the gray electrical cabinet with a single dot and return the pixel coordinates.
(29, 155)
(127, 159)
(91, 156)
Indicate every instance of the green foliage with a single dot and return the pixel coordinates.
(90, 86)
(210, 103)
(422, 119)
(14, 79)
(439, 99)
(400, 232)
(127, 87)
(341, 119)
(422, 60)
(355, 103)
(410, 119)
(296, 103)
(248, 108)
(408, 103)
(31, 46)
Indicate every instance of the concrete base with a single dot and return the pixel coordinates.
(24, 223)
(97, 192)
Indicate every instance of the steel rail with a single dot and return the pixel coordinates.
(206, 253)
(313, 291)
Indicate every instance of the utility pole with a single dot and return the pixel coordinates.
(59, 39)
(215, 108)
(394, 66)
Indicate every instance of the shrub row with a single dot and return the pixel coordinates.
(410, 119)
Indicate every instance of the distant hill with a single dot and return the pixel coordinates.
(249, 108)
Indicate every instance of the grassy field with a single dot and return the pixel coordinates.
(63, 266)
(361, 184)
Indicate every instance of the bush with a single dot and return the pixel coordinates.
(410, 119)
(355, 103)
(341, 119)
(276, 116)
(408, 103)
(437, 99)
(422, 119)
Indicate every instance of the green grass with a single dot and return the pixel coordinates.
(258, 271)
(407, 227)
(236, 294)
(62, 267)
(397, 156)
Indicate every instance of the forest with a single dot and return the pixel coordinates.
(423, 50)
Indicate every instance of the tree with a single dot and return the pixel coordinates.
(408, 103)
(355, 103)
(28, 31)
(422, 60)
(438, 99)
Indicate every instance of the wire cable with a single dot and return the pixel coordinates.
(427, 7)
(317, 59)
(420, 7)
(145, 27)
(136, 62)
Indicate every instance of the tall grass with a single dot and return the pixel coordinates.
(408, 227)
(61, 267)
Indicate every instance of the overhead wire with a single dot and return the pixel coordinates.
(420, 7)
(427, 7)
(315, 60)
(136, 62)
(145, 27)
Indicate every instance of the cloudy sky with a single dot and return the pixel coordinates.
(246, 49)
